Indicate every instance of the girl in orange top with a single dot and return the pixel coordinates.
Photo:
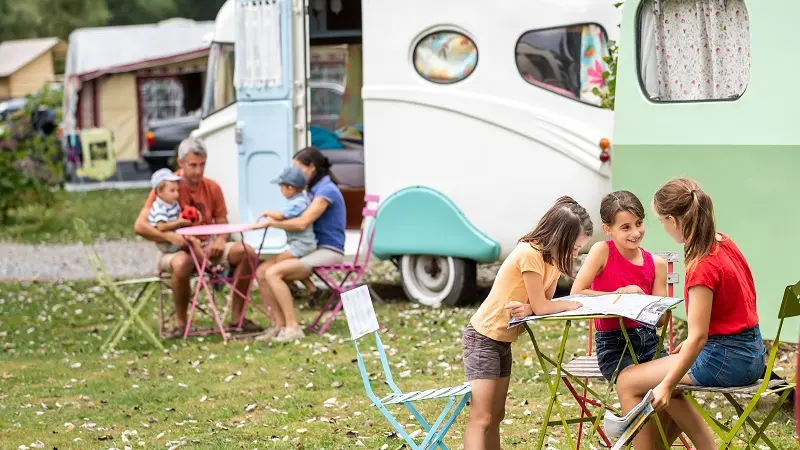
(525, 285)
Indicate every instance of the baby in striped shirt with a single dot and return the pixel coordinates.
(165, 214)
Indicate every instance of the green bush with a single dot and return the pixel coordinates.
(30, 158)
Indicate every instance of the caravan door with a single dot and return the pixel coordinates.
(270, 85)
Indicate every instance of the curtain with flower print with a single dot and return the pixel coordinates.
(593, 49)
(702, 49)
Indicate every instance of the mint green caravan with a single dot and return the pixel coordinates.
(708, 94)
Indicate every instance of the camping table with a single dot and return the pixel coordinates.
(558, 364)
(201, 262)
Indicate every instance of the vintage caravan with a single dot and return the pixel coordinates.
(471, 127)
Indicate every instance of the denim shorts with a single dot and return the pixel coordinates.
(730, 361)
(611, 347)
(485, 358)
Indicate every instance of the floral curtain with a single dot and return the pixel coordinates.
(702, 49)
(593, 49)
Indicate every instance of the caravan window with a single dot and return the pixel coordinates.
(445, 57)
(219, 91)
(692, 50)
(565, 60)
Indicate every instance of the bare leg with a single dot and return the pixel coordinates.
(486, 412)
(278, 319)
(241, 256)
(633, 384)
(182, 266)
(277, 276)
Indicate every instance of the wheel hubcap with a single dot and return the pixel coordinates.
(431, 273)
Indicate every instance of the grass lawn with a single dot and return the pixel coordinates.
(111, 213)
(57, 388)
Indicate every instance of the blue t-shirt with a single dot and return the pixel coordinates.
(329, 227)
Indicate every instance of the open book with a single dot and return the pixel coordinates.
(646, 309)
(624, 429)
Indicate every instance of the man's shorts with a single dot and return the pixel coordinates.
(164, 260)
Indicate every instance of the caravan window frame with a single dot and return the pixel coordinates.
(208, 109)
(438, 30)
(576, 99)
(640, 79)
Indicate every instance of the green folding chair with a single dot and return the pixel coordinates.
(131, 306)
(769, 385)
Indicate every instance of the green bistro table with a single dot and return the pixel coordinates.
(560, 372)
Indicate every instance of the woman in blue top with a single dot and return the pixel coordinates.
(326, 214)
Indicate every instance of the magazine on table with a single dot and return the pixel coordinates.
(646, 309)
(624, 429)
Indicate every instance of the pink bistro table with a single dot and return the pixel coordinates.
(201, 263)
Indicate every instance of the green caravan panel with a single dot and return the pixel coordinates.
(421, 221)
(744, 153)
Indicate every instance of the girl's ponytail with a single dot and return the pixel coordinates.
(683, 199)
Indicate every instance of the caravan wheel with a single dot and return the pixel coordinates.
(438, 280)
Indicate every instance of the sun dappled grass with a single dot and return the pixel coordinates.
(110, 212)
(56, 387)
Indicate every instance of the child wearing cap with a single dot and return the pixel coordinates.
(292, 181)
(165, 214)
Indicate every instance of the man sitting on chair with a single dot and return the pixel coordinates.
(205, 195)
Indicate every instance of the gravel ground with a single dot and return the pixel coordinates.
(50, 262)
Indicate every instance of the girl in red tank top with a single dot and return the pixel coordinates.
(620, 265)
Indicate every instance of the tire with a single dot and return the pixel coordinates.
(438, 280)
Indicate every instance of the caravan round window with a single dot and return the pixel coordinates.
(445, 57)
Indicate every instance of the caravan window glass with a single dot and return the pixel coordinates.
(219, 91)
(691, 50)
(565, 60)
(445, 57)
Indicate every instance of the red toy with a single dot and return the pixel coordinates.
(191, 214)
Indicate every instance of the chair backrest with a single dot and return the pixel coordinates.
(87, 239)
(359, 311)
(369, 219)
(361, 320)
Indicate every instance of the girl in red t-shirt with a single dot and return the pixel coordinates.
(724, 347)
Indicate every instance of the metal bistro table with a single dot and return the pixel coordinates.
(559, 372)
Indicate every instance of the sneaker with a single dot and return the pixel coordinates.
(289, 334)
(269, 334)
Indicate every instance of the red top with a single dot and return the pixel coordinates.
(620, 272)
(726, 273)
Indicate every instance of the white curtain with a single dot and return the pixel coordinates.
(258, 43)
(701, 49)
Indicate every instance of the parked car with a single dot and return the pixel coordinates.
(163, 136)
(9, 107)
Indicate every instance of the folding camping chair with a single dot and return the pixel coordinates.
(356, 268)
(361, 320)
(586, 367)
(131, 306)
(790, 307)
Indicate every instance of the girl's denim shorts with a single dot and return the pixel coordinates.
(611, 347)
(730, 361)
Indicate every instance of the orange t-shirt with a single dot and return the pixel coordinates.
(491, 319)
(206, 197)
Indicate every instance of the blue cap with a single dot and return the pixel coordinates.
(291, 176)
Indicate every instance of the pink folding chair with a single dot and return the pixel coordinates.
(346, 270)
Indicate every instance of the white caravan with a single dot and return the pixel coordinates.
(472, 127)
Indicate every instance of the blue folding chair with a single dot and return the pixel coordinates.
(362, 321)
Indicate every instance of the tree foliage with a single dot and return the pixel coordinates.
(23, 19)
